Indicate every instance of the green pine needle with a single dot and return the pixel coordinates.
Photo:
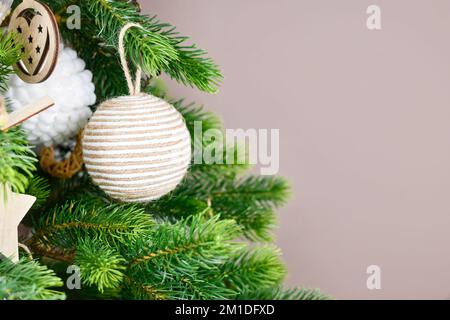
(193, 113)
(40, 188)
(66, 225)
(253, 269)
(27, 280)
(178, 260)
(147, 47)
(17, 160)
(156, 47)
(250, 201)
(278, 293)
(100, 265)
(10, 53)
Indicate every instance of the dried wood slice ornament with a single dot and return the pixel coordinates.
(37, 27)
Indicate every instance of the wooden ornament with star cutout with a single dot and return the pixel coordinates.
(14, 206)
(36, 26)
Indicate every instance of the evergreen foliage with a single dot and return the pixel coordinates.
(10, 53)
(17, 160)
(27, 280)
(157, 47)
(65, 226)
(40, 188)
(102, 266)
(278, 293)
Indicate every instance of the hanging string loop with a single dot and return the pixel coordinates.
(135, 89)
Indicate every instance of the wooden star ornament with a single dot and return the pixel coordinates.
(14, 206)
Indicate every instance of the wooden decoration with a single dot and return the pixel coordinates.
(13, 208)
(13, 119)
(37, 27)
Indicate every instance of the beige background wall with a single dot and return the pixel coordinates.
(365, 130)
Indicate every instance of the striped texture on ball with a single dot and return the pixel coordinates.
(137, 148)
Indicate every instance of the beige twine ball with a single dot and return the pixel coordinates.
(136, 148)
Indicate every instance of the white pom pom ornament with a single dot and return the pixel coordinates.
(73, 91)
(136, 148)
(5, 8)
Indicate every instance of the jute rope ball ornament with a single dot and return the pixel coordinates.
(136, 148)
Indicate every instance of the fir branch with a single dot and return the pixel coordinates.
(265, 191)
(178, 260)
(193, 113)
(207, 239)
(101, 265)
(136, 290)
(156, 87)
(192, 69)
(27, 280)
(10, 49)
(278, 293)
(147, 47)
(255, 268)
(217, 172)
(10, 53)
(39, 187)
(177, 207)
(209, 121)
(157, 47)
(17, 160)
(195, 286)
(65, 226)
(257, 221)
(250, 201)
(54, 253)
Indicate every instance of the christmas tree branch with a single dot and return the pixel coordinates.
(27, 280)
(64, 226)
(180, 259)
(102, 266)
(17, 160)
(278, 293)
(10, 53)
(250, 201)
(156, 47)
(254, 269)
